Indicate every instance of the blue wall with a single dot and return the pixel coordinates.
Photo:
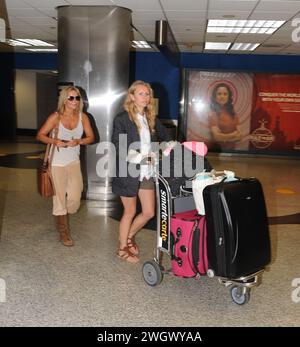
(34, 61)
(163, 77)
(152, 67)
(29, 61)
(246, 63)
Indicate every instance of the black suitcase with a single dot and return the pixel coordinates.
(238, 242)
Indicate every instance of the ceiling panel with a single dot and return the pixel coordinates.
(40, 21)
(46, 3)
(252, 38)
(221, 37)
(280, 6)
(191, 47)
(194, 24)
(238, 5)
(227, 14)
(279, 39)
(89, 2)
(148, 15)
(187, 19)
(267, 50)
(49, 12)
(147, 33)
(137, 5)
(17, 4)
(24, 12)
(186, 15)
(271, 15)
(183, 5)
(293, 48)
(189, 37)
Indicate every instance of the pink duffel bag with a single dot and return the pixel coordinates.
(188, 244)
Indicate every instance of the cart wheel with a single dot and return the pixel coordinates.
(152, 273)
(238, 296)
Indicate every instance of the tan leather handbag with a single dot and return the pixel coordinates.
(45, 184)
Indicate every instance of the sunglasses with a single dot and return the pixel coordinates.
(72, 98)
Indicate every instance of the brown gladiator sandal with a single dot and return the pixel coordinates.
(132, 246)
(126, 255)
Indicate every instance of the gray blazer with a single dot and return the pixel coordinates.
(128, 186)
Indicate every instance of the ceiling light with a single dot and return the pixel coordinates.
(28, 42)
(244, 46)
(16, 43)
(42, 49)
(243, 26)
(140, 44)
(217, 45)
(34, 42)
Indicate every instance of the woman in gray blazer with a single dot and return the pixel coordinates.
(134, 133)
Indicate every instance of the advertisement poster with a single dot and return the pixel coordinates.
(219, 109)
(275, 120)
(248, 112)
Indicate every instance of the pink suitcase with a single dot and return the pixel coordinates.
(188, 244)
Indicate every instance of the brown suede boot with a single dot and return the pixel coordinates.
(63, 229)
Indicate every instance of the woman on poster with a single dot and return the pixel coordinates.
(223, 120)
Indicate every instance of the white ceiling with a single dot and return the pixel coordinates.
(187, 19)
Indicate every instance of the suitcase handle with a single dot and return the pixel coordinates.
(230, 227)
(173, 242)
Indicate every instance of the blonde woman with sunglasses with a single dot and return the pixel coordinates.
(69, 123)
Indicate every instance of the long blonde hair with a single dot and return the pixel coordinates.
(63, 96)
(132, 110)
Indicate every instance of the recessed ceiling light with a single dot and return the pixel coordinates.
(27, 42)
(244, 46)
(34, 42)
(42, 49)
(217, 45)
(243, 26)
(140, 44)
(16, 43)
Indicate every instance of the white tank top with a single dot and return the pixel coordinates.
(65, 155)
(146, 171)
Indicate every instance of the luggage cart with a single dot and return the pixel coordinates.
(153, 271)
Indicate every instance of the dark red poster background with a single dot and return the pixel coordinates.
(275, 118)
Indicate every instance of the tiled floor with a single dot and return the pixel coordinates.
(43, 283)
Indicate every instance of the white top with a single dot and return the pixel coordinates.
(146, 170)
(65, 155)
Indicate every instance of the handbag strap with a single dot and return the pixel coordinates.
(50, 147)
(46, 156)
